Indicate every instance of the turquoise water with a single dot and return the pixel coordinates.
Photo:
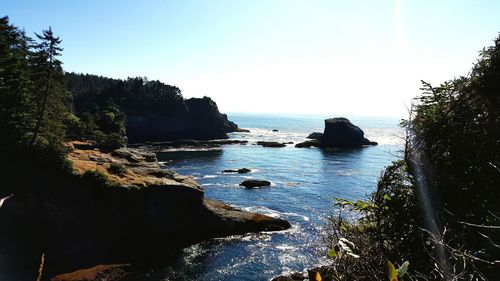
(304, 183)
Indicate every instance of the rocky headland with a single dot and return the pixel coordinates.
(116, 207)
(339, 133)
(195, 118)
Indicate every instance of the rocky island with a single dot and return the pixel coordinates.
(339, 133)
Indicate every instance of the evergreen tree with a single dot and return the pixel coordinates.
(52, 97)
(16, 99)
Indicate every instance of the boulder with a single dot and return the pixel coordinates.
(315, 136)
(241, 130)
(244, 171)
(239, 171)
(230, 171)
(255, 183)
(309, 143)
(271, 144)
(293, 277)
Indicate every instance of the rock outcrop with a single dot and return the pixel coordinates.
(197, 118)
(255, 183)
(271, 144)
(113, 272)
(98, 216)
(186, 145)
(239, 171)
(339, 133)
(315, 136)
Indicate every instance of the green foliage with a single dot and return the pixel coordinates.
(450, 169)
(111, 142)
(359, 205)
(403, 269)
(397, 215)
(131, 96)
(17, 103)
(456, 129)
(95, 179)
(50, 94)
(355, 253)
(33, 104)
(393, 274)
(117, 169)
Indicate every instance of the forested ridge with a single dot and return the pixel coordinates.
(42, 106)
(435, 214)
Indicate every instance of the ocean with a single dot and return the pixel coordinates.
(305, 182)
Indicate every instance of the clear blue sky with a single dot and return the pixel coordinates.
(334, 57)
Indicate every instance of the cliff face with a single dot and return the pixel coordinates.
(153, 111)
(198, 118)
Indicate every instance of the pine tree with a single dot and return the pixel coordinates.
(16, 99)
(52, 97)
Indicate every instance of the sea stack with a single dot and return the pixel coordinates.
(339, 133)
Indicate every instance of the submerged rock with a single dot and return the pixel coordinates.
(230, 171)
(244, 171)
(241, 130)
(309, 143)
(315, 136)
(186, 145)
(239, 171)
(271, 144)
(255, 183)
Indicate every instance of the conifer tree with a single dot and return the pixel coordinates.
(51, 95)
(16, 99)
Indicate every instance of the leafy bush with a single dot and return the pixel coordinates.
(95, 179)
(117, 169)
(111, 142)
(439, 207)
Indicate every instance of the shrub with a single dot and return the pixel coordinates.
(117, 169)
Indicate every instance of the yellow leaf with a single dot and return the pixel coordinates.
(317, 277)
(390, 271)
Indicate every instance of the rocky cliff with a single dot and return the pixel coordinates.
(198, 118)
(116, 207)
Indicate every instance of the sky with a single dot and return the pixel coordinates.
(363, 58)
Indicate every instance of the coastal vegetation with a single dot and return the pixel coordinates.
(435, 211)
(71, 191)
(42, 107)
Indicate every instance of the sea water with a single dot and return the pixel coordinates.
(305, 182)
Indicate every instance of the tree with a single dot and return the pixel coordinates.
(52, 98)
(16, 99)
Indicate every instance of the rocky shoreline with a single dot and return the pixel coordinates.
(140, 210)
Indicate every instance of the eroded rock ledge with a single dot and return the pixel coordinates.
(140, 210)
